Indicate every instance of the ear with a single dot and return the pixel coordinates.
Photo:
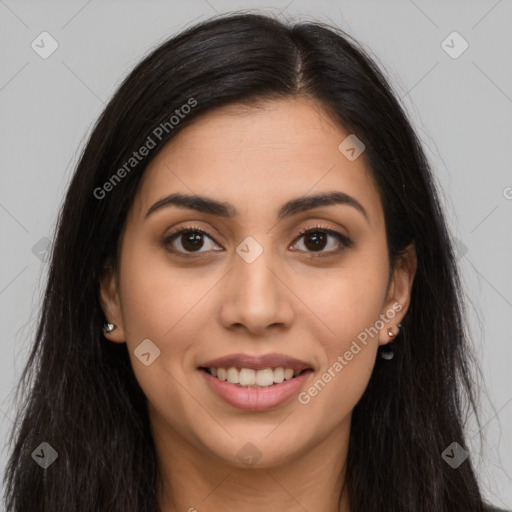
(111, 304)
(399, 294)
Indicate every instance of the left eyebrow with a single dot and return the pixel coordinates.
(222, 209)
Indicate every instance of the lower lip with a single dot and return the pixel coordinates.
(256, 399)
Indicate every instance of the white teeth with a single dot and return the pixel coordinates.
(233, 375)
(265, 377)
(278, 375)
(247, 377)
(250, 377)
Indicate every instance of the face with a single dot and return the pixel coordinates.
(243, 283)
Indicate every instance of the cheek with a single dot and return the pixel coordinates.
(163, 305)
(350, 305)
(353, 299)
(169, 305)
(349, 353)
(157, 298)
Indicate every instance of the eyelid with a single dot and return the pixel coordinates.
(327, 229)
(191, 228)
(345, 241)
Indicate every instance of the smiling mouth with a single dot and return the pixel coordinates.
(251, 378)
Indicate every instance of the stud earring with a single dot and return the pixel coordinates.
(386, 351)
(108, 327)
(391, 334)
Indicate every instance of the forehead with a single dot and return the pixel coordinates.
(258, 158)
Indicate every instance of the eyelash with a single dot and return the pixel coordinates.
(344, 240)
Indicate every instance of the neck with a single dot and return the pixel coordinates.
(196, 480)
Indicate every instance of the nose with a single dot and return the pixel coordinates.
(257, 296)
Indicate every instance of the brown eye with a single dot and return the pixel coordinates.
(318, 238)
(318, 241)
(315, 241)
(187, 240)
(192, 241)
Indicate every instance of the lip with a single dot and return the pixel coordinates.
(257, 362)
(256, 399)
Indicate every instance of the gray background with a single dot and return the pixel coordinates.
(461, 108)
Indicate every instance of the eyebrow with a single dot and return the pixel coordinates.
(222, 209)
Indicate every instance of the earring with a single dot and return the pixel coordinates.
(108, 327)
(391, 334)
(387, 352)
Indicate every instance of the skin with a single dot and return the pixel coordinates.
(286, 301)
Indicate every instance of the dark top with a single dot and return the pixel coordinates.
(490, 508)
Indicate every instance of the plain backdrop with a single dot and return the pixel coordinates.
(460, 104)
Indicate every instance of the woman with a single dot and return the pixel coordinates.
(253, 301)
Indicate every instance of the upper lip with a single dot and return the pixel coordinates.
(257, 362)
